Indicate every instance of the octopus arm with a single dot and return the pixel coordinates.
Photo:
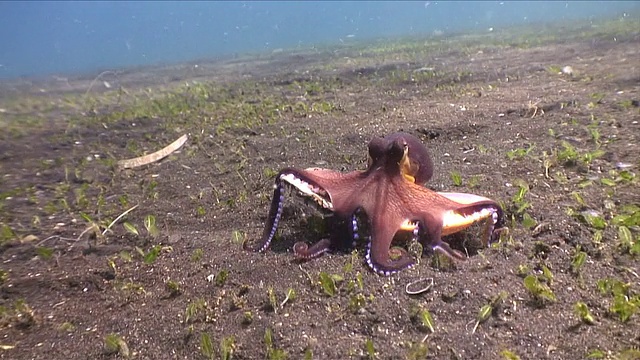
(331, 189)
(430, 228)
(433, 214)
(321, 185)
(387, 215)
(383, 259)
(271, 225)
(304, 251)
(471, 209)
(335, 240)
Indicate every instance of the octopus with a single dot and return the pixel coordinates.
(391, 195)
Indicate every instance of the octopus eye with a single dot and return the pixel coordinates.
(376, 148)
(396, 149)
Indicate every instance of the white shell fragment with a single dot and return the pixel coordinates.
(567, 70)
(419, 286)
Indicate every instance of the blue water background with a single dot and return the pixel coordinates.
(45, 38)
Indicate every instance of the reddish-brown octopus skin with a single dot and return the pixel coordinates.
(388, 198)
(419, 156)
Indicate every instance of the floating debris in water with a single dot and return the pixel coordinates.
(423, 69)
(591, 212)
(623, 166)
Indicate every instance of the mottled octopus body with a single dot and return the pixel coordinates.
(390, 194)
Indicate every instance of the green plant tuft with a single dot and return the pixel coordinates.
(539, 291)
(583, 313)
